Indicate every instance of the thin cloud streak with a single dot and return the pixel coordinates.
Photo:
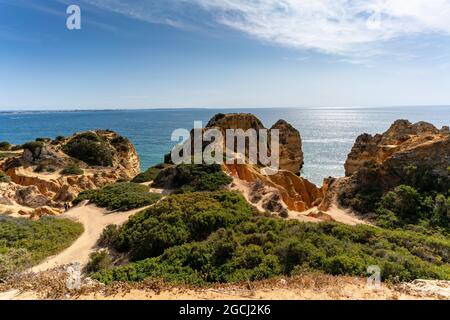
(344, 27)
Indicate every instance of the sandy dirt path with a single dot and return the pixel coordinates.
(94, 220)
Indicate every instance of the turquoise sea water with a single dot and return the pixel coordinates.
(328, 133)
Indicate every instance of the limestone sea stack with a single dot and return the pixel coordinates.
(291, 191)
(291, 154)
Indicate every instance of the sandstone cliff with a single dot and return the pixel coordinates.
(37, 181)
(414, 143)
(291, 154)
(296, 193)
(414, 154)
(284, 190)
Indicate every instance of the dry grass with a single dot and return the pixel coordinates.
(52, 285)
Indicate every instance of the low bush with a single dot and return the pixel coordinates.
(202, 177)
(210, 237)
(406, 206)
(423, 198)
(43, 139)
(120, 196)
(150, 174)
(24, 243)
(72, 170)
(57, 140)
(194, 177)
(90, 148)
(179, 219)
(98, 261)
(32, 146)
(108, 236)
(5, 146)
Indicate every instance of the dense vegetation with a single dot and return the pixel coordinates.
(150, 174)
(32, 146)
(99, 260)
(423, 199)
(179, 219)
(195, 177)
(201, 177)
(72, 169)
(209, 237)
(5, 146)
(24, 243)
(90, 148)
(120, 196)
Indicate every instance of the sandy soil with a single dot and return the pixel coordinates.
(94, 220)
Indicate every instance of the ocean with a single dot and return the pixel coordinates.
(327, 133)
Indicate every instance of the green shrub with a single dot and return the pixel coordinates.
(120, 196)
(16, 147)
(58, 139)
(265, 247)
(13, 261)
(178, 219)
(98, 261)
(5, 146)
(121, 143)
(406, 206)
(24, 243)
(405, 202)
(4, 177)
(72, 169)
(209, 237)
(150, 174)
(32, 146)
(194, 177)
(90, 148)
(108, 236)
(43, 140)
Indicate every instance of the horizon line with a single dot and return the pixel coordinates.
(210, 108)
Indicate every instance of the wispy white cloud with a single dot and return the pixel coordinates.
(346, 27)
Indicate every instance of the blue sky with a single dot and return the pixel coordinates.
(227, 53)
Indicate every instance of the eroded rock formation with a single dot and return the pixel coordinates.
(413, 154)
(419, 143)
(291, 154)
(37, 182)
(298, 194)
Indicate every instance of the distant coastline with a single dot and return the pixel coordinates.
(25, 111)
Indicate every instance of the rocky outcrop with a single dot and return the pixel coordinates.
(242, 121)
(404, 143)
(276, 193)
(41, 211)
(291, 154)
(413, 154)
(298, 194)
(36, 179)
